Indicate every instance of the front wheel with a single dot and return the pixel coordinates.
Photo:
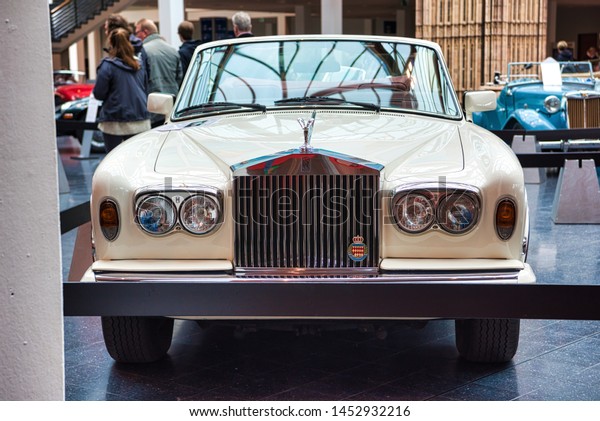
(131, 339)
(487, 340)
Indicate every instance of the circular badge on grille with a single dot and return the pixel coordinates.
(358, 250)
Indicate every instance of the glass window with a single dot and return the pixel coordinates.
(394, 76)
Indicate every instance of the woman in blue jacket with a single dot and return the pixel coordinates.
(121, 85)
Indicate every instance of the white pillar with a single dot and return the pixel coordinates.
(281, 25)
(170, 14)
(31, 331)
(331, 17)
(77, 57)
(92, 54)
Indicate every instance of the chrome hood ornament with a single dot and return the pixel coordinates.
(307, 127)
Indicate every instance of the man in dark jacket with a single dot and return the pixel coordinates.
(186, 50)
(564, 54)
(242, 25)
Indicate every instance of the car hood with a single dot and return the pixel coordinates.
(403, 144)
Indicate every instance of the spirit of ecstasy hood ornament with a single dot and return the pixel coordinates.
(307, 127)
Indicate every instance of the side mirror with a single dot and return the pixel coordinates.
(160, 103)
(479, 101)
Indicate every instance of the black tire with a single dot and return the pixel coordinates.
(130, 339)
(487, 340)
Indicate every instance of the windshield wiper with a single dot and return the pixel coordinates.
(329, 99)
(211, 106)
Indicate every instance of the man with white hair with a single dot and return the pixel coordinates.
(242, 25)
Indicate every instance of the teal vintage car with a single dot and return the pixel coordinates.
(547, 95)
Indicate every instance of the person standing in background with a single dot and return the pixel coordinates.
(164, 63)
(188, 46)
(121, 84)
(594, 58)
(242, 25)
(163, 59)
(564, 54)
(115, 21)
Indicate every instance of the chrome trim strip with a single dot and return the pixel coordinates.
(432, 185)
(242, 169)
(306, 272)
(358, 277)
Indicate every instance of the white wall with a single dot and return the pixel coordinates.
(31, 327)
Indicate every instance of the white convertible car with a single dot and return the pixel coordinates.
(311, 159)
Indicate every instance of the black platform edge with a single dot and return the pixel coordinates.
(348, 300)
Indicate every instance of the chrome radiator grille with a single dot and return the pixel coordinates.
(306, 221)
(583, 112)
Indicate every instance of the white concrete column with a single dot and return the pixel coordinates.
(31, 331)
(170, 14)
(77, 57)
(281, 25)
(92, 45)
(331, 16)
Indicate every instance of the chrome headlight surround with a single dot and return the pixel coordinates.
(156, 214)
(200, 214)
(413, 212)
(552, 104)
(196, 210)
(457, 212)
(453, 208)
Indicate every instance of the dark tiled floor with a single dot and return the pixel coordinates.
(557, 360)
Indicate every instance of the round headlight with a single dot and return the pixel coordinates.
(413, 212)
(200, 214)
(552, 104)
(156, 215)
(457, 213)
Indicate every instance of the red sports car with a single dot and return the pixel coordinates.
(70, 85)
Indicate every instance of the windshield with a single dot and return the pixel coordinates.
(341, 73)
(570, 71)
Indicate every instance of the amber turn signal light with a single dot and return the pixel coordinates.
(109, 219)
(506, 217)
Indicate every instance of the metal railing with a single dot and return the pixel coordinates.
(68, 15)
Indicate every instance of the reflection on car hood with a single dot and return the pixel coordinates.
(401, 143)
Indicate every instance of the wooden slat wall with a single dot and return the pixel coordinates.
(515, 30)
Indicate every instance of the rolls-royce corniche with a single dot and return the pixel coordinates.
(311, 160)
